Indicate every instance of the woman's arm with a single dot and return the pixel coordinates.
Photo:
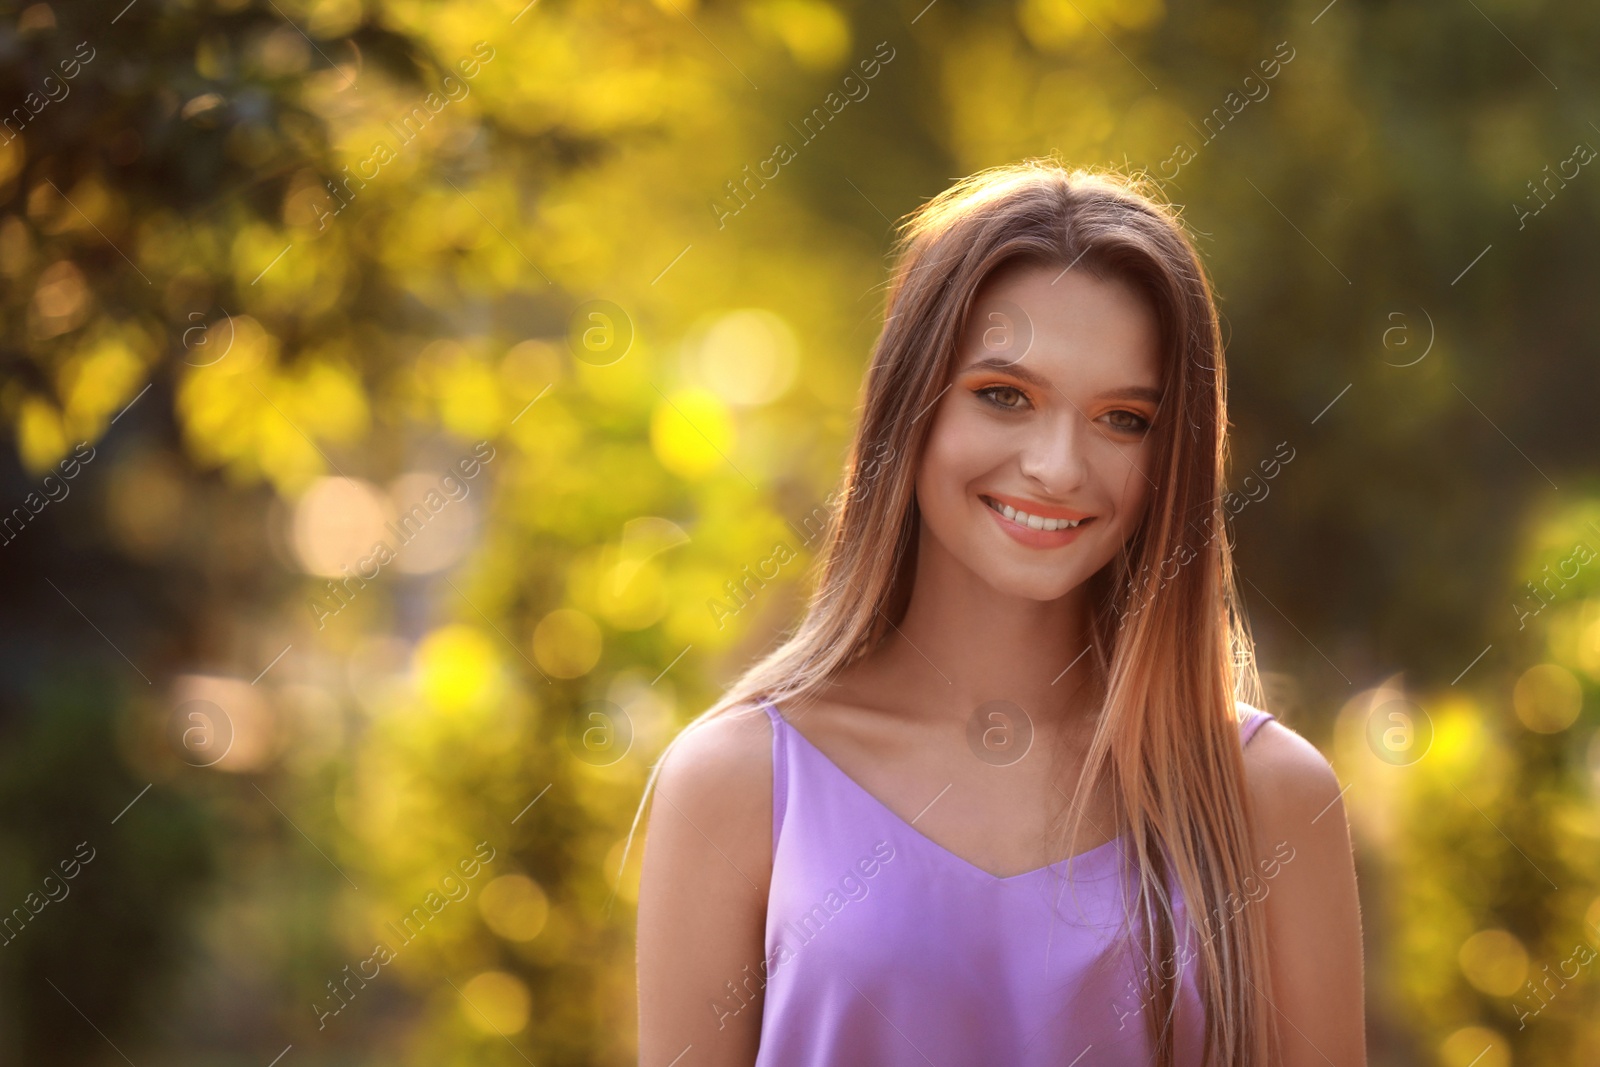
(1313, 913)
(703, 897)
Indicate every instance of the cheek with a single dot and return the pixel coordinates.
(985, 438)
(950, 463)
(936, 486)
(1137, 490)
(954, 455)
(1128, 476)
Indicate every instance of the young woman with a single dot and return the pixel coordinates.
(1002, 798)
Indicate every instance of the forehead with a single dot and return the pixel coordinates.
(1057, 321)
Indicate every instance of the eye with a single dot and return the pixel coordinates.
(996, 394)
(1128, 422)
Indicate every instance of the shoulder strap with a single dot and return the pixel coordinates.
(1252, 723)
(780, 772)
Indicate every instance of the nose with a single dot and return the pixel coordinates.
(1055, 456)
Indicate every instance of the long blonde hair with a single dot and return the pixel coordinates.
(1172, 656)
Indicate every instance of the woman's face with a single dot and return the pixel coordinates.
(1049, 413)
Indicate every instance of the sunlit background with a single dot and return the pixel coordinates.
(419, 410)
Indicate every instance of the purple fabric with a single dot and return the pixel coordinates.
(885, 949)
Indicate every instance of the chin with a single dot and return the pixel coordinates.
(1043, 586)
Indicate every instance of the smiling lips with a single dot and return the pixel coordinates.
(1034, 524)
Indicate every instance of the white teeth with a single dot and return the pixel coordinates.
(1033, 522)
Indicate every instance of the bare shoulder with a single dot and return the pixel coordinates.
(1289, 779)
(1312, 903)
(721, 765)
(706, 870)
(716, 776)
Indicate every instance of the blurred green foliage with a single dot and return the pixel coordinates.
(282, 265)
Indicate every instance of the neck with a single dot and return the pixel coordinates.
(962, 643)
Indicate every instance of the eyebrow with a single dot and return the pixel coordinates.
(1017, 370)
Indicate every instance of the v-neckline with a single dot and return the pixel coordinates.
(919, 835)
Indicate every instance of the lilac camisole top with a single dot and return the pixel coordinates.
(885, 949)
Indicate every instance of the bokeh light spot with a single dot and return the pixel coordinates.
(496, 1002)
(1547, 698)
(747, 357)
(456, 667)
(336, 523)
(1495, 962)
(1475, 1046)
(691, 432)
(514, 907)
(566, 643)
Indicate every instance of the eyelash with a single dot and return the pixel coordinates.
(1141, 429)
(987, 392)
